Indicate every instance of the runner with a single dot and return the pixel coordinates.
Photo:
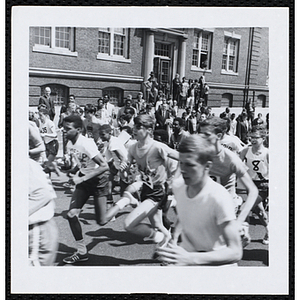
(256, 158)
(91, 179)
(151, 157)
(206, 217)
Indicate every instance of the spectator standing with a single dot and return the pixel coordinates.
(102, 113)
(191, 123)
(258, 121)
(183, 92)
(48, 102)
(205, 93)
(176, 87)
(233, 124)
(140, 104)
(242, 128)
(179, 134)
(111, 109)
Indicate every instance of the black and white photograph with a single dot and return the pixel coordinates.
(142, 159)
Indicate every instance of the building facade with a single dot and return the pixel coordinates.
(91, 62)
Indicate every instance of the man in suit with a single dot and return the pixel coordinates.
(46, 100)
(163, 117)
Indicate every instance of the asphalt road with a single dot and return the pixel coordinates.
(111, 245)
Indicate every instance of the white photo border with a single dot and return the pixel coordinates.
(172, 280)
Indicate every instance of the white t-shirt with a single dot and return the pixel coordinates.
(201, 216)
(84, 150)
(233, 143)
(115, 144)
(258, 164)
(48, 128)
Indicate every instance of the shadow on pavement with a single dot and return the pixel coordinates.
(256, 255)
(99, 260)
(108, 234)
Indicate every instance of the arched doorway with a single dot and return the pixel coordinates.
(261, 101)
(226, 100)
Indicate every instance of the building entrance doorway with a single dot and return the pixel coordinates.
(162, 71)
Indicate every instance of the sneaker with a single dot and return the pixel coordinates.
(265, 240)
(76, 257)
(133, 201)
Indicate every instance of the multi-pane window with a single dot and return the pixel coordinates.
(115, 95)
(62, 37)
(202, 49)
(42, 35)
(54, 37)
(230, 54)
(162, 49)
(113, 41)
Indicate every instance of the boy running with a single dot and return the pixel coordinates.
(49, 135)
(91, 180)
(151, 158)
(256, 158)
(206, 217)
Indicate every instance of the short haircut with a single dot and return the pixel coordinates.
(259, 129)
(44, 111)
(180, 121)
(195, 143)
(106, 95)
(105, 128)
(216, 124)
(162, 133)
(228, 122)
(90, 108)
(72, 96)
(144, 120)
(75, 119)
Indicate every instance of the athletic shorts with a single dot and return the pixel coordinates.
(96, 186)
(157, 194)
(52, 148)
(263, 187)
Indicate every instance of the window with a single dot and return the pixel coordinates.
(162, 49)
(115, 95)
(230, 55)
(57, 40)
(202, 50)
(113, 43)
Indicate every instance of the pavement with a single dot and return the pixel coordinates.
(111, 245)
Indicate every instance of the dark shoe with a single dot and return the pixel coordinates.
(76, 257)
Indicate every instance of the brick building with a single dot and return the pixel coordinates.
(89, 62)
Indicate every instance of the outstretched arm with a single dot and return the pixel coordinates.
(232, 253)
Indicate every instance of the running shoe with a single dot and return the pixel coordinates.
(76, 257)
(265, 240)
(133, 201)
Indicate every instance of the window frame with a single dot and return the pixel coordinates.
(231, 38)
(52, 48)
(112, 32)
(199, 34)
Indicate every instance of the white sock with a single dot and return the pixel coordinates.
(123, 202)
(81, 248)
(158, 237)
